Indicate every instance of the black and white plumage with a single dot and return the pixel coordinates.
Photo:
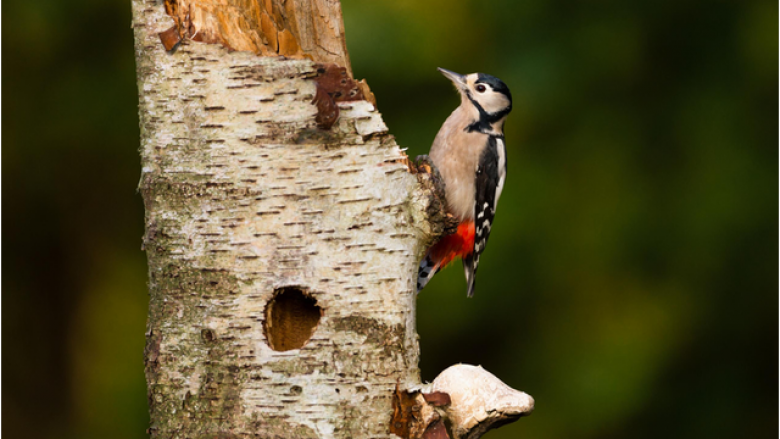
(491, 175)
(470, 153)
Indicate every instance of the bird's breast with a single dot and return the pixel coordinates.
(456, 152)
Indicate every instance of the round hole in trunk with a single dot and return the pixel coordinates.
(291, 317)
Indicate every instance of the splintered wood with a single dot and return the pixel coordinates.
(310, 29)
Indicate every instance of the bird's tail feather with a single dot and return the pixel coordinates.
(428, 267)
(470, 270)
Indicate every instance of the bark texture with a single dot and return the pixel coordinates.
(282, 256)
(245, 197)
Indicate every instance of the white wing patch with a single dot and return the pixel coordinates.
(501, 148)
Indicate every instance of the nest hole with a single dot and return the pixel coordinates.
(291, 317)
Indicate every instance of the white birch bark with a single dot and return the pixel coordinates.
(245, 199)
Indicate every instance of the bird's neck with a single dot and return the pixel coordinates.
(481, 121)
(486, 125)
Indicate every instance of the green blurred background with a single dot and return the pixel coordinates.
(630, 284)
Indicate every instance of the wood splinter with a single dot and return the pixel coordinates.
(418, 415)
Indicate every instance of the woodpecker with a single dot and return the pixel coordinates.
(470, 154)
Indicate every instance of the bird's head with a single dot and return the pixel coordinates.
(487, 94)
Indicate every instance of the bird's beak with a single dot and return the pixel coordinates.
(456, 78)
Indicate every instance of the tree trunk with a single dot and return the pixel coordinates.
(282, 256)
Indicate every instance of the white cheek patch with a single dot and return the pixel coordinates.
(492, 101)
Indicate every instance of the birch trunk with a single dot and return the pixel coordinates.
(282, 257)
(244, 198)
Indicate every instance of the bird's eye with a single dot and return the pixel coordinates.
(480, 88)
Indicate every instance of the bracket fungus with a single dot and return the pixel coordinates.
(463, 402)
(479, 400)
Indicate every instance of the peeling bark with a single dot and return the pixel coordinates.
(282, 256)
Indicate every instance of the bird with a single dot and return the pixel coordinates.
(470, 153)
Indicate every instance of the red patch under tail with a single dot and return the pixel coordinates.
(458, 244)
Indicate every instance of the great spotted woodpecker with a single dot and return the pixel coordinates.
(470, 153)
